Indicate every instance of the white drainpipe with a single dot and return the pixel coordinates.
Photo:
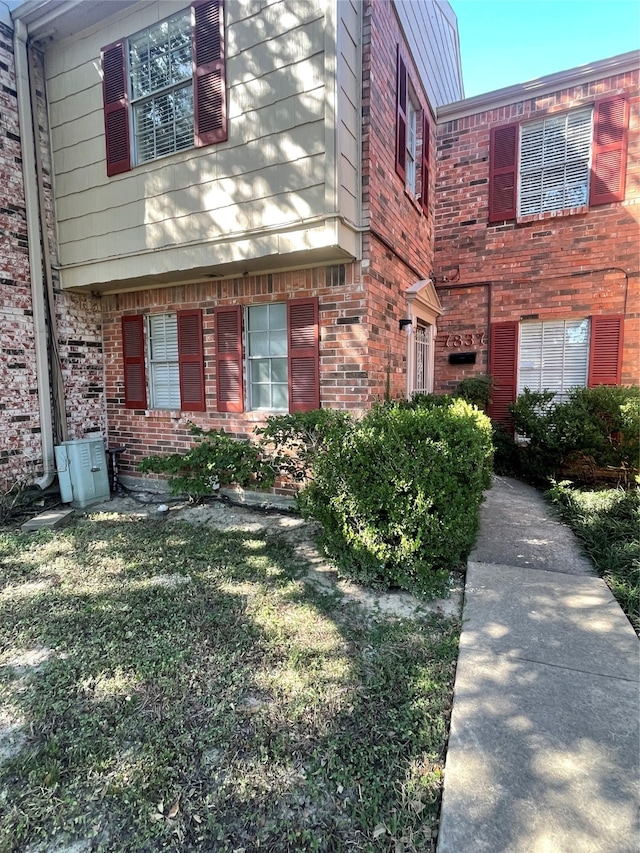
(35, 257)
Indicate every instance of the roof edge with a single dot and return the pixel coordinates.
(540, 86)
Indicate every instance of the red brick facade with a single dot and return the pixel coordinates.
(344, 382)
(398, 248)
(562, 266)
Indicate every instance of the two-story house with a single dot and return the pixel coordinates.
(214, 211)
(537, 240)
(244, 194)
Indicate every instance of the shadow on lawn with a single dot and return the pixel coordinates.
(200, 697)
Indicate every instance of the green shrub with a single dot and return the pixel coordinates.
(294, 441)
(397, 493)
(216, 459)
(608, 524)
(476, 390)
(425, 401)
(598, 424)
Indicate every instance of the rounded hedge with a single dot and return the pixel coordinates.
(397, 493)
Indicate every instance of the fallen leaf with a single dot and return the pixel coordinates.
(380, 829)
(175, 808)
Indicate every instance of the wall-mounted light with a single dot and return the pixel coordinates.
(406, 325)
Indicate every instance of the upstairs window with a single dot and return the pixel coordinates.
(411, 145)
(555, 157)
(164, 87)
(562, 162)
(412, 138)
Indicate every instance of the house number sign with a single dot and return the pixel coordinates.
(468, 339)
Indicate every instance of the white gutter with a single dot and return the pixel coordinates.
(35, 257)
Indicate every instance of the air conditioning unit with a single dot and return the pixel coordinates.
(82, 472)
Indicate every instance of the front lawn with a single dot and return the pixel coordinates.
(165, 686)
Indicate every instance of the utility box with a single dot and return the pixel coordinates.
(82, 472)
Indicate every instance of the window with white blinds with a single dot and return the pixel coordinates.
(555, 160)
(163, 361)
(553, 355)
(160, 71)
(412, 144)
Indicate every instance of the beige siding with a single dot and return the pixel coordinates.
(431, 29)
(270, 174)
(349, 93)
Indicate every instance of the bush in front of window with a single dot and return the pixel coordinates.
(216, 459)
(397, 493)
(294, 441)
(595, 430)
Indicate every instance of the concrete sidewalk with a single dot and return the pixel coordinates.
(545, 744)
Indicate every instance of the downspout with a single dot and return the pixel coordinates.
(35, 256)
(60, 432)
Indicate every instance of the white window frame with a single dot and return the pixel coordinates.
(563, 365)
(411, 145)
(162, 359)
(178, 85)
(554, 162)
(279, 342)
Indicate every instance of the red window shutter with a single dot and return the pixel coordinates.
(228, 336)
(210, 99)
(609, 154)
(503, 357)
(424, 192)
(116, 108)
(135, 383)
(303, 330)
(191, 361)
(605, 350)
(401, 118)
(503, 169)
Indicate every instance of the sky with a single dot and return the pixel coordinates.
(505, 42)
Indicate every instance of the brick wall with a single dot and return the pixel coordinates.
(20, 451)
(556, 267)
(344, 379)
(78, 318)
(398, 250)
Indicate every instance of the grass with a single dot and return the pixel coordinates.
(607, 523)
(171, 687)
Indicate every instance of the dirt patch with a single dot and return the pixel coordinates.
(323, 574)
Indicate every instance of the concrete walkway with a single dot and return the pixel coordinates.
(545, 744)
